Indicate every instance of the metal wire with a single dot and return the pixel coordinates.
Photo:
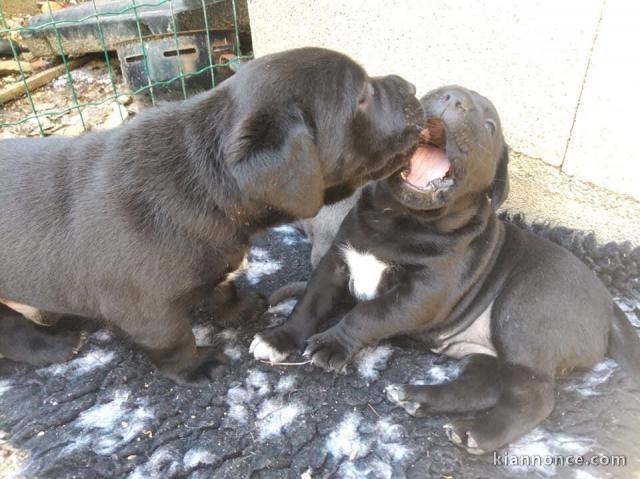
(175, 39)
(106, 57)
(151, 83)
(145, 61)
(135, 92)
(72, 88)
(23, 77)
(206, 27)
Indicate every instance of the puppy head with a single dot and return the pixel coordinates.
(312, 127)
(462, 152)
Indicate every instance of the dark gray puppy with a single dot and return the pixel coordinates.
(424, 254)
(136, 224)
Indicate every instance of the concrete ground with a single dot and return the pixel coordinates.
(107, 414)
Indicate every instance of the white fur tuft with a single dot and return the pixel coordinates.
(366, 272)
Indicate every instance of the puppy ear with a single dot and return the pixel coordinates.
(500, 186)
(280, 166)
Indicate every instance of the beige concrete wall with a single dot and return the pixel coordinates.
(603, 148)
(561, 74)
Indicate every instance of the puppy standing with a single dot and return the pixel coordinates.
(136, 224)
(424, 254)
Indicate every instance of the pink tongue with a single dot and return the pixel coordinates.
(427, 164)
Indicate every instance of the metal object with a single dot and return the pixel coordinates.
(78, 26)
(170, 60)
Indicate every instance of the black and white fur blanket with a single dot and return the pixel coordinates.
(106, 413)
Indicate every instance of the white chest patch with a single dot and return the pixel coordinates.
(365, 271)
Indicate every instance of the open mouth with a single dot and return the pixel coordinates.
(429, 168)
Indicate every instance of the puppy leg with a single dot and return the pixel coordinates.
(164, 332)
(324, 290)
(478, 387)
(38, 316)
(25, 342)
(231, 307)
(526, 399)
(403, 309)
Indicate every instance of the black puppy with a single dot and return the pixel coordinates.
(424, 254)
(136, 224)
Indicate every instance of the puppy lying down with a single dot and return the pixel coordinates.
(423, 254)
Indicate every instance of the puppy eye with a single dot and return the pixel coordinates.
(491, 126)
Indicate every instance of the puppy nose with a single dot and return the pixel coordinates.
(454, 98)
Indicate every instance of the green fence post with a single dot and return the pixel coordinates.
(175, 39)
(206, 27)
(107, 59)
(144, 52)
(235, 27)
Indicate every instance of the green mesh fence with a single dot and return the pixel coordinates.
(99, 14)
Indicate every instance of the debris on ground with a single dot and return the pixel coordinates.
(107, 103)
(33, 82)
(92, 86)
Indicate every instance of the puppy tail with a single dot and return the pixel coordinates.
(624, 344)
(287, 291)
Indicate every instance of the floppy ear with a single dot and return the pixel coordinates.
(500, 185)
(279, 166)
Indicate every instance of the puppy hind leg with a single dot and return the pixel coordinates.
(526, 399)
(476, 388)
(26, 342)
(38, 316)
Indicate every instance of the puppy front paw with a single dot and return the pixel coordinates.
(273, 345)
(331, 350)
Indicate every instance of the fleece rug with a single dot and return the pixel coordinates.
(107, 414)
